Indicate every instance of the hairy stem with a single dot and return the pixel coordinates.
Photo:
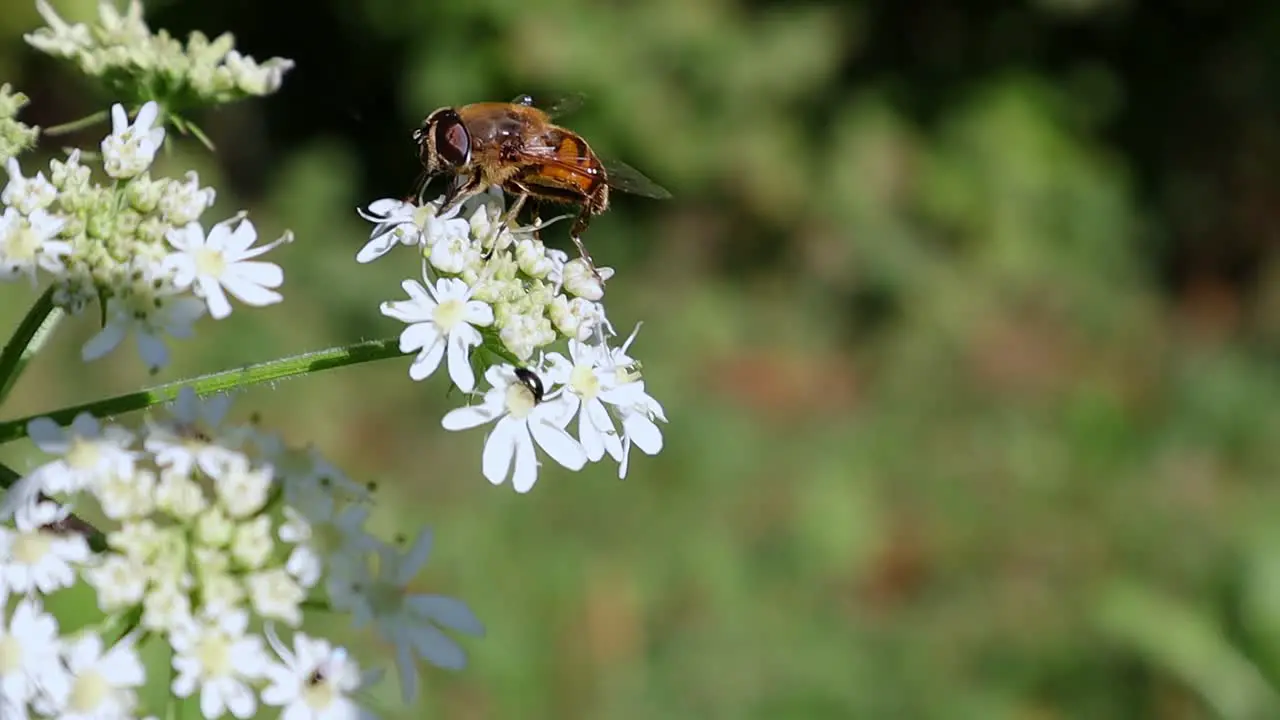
(33, 332)
(216, 382)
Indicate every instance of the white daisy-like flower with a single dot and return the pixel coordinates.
(130, 149)
(29, 655)
(89, 454)
(315, 681)
(34, 558)
(216, 657)
(440, 317)
(222, 263)
(588, 387)
(152, 310)
(403, 223)
(639, 411)
(409, 621)
(27, 195)
(516, 402)
(27, 243)
(102, 682)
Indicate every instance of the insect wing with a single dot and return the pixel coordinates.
(555, 106)
(622, 176)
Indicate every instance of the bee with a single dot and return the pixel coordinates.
(518, 148)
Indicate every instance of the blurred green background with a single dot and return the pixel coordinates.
(966, 317)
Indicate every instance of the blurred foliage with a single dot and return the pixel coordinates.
(965, 316)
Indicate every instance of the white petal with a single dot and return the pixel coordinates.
(643, 432)
(448, 612)
(153, 350)
(526, 472)
(499, 448)
(219, 306)
(427, 361)
(464, 418)
(558, 444)
(461, 340)
(419, 335)
(478, 313)
(249, 292)
(104, 342)
(258, 272)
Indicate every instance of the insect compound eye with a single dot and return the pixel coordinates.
(452, 141)
(531, 381)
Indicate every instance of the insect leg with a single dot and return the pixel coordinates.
(575, 234)
(463, 188)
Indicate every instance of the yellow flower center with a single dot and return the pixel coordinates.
(29, 548)
(448, 314)
(10, 654)
(210, 262)
(215, 655)
(520, 401)
(89, 692)
(584, 381)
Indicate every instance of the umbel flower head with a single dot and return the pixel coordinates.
(493, 302)
(215, 536)
(124, 53)
(135, 245)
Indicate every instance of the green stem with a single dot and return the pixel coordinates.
(216, 382)
(32, 333)
(74, 125)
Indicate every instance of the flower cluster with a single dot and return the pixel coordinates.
(134, 245)
(216, 536)
(14, 136)
(493, 298)
(123, 52)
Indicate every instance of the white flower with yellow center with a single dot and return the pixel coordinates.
(100, 684)
(588, 385)
(131, 148)
(216, 657)
(315, 681)
(442, 318)
(222, 263)
(27, 243)
(29, 660)
(34, 558)
(89, 453)
(516, 403)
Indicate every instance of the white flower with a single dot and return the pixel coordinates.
(577, 319)
(402, 223)
(26, 243)
(516, 403)
(101, 684)
(90, 453)
(151, 312)
(314, 682)
(58, 38)
(440, 317)
(222, 261)
(217, 657)
(453, 254)
(243, 489)
(27, 195)
(29, 661)
(119, 581)
(409, 621)
(580, 280)
(275, 594)
(589, 386)
(36, 559)
(130, 149)
(184, 202)
(191, 437)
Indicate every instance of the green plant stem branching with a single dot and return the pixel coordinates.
(216, 382)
